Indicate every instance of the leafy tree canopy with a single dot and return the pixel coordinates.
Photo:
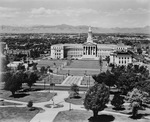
(96, 98)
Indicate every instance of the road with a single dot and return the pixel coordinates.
(60, 88)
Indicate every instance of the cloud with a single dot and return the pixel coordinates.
(63, 12)
(128, 11)
(6, 12)
(143, 1)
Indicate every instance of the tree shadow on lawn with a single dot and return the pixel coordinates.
(140, 116)
(19, 95)
(118, 109)
(30, 90)
(102, 118)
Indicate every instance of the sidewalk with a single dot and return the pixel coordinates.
(50, 113)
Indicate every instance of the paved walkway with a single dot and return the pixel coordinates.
(50, 113)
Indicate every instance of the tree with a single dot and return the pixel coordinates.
(109, 79)
(32, 78)
(75, 90)
(100, 63)
(96, 98)
(30, 104)
(43, 70)
(139, 50)
(34, 67)
(105, 77)
(4, 62)
(129, 77)
(108, 59)
(117, 101)
(21, 67)
(13, 83)
(137, 98)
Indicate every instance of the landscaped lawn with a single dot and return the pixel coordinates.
(76, 101)
(17, 114)
(80, 100)
(86, 116)
(35, 96)
(4, 103)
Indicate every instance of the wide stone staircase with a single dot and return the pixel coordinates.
(72, 80)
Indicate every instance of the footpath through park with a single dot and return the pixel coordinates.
(49, 114)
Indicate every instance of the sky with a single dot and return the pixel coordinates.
(97, 13)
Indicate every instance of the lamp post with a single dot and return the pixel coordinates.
(70, 104)
(44, 84)
(49, 77)
(89, 80)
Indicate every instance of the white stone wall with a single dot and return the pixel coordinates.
(120, 59)
(57, 52)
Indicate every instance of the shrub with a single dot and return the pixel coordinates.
(117, 101)
(30, 104)
(75, 90)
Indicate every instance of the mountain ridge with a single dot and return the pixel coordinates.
(64, 28)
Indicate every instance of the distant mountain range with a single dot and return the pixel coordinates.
(70, 29)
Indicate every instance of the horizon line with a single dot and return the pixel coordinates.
(70, 25)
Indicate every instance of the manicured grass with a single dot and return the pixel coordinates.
(80, 99)
(88, 64)
(35, 96)
(57, 79)
(4, 103)
(17, 114)
(128, 111)
(76, 101)
(50, 63)
(86, 116)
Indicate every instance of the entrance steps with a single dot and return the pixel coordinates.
(72, 80)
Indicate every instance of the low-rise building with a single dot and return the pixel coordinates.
(121, 58)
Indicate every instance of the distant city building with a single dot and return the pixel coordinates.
(121, 58)
(87, 50)
(3, 48)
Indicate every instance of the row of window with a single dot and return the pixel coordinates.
(124, 58)
(75, 50)
(57, 50)
(75, 55)
(123, 62)
(57, 53)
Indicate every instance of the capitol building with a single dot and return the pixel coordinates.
(88, 50)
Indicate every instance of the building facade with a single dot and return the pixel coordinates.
(121, 58)
(87, 50)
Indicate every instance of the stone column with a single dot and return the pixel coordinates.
(90, 50)
(86, 50)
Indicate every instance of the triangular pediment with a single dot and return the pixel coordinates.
(90, 43)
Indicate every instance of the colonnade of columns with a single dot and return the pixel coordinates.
(89, 50)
